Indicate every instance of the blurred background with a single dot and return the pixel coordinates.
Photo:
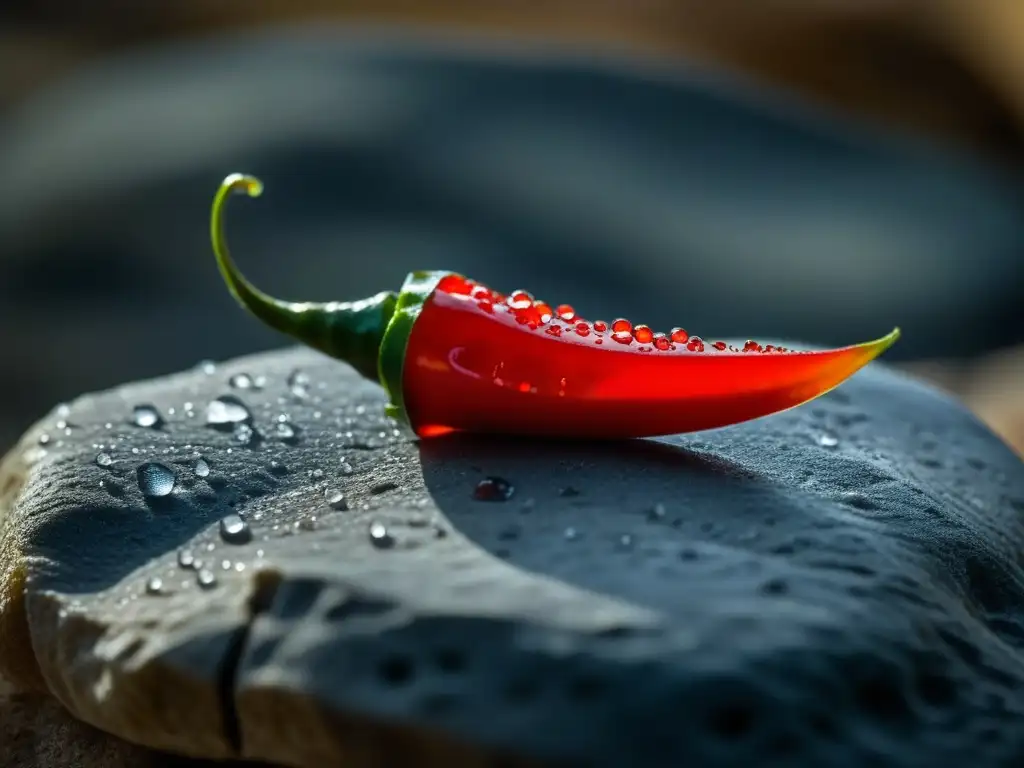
(815, 170)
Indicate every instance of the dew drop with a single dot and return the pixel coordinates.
(201, 468)
(828, 441)
(241, 381)
(520, 300)
(695, 344)
(298, 384)
(336, 500)
(146, 415)
(493, 489)
(234, 530)
(752, 346)
(104, 459)
(379, 536)
(155, 586)
(244, 434)
(582, 329)
(719, 345)
(207, 367)
(643, 334)
(623, 337)
(44, 439)
(622, 325)
(565, 312)
(186, 559)
(226, 411)
(286, 433)
(155, 480)
(661, 341)
(600, 326)
(625, 541)
(679, 336)
(206, 578)
(571, 534)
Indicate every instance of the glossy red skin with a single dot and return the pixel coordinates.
(467, 369)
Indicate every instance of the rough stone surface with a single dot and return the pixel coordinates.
(836, 585)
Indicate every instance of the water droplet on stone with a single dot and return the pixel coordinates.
(155, 479)
(146, 415)
(104, 459)
(206, 578)
(298, 384)
(277, 468)
(201, 468)
(241, 381)
(234, 530)
(625, 541)
(571, 534)
(226, 411)
(380, 537)
(286, 433)
(244, 434)
(336, 500)
(207, 366)
(44, 439)
(186, 559)
(155, 586)
(316, 474)
(828, 441)
(493, 489)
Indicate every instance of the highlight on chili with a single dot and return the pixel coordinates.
(454, 355)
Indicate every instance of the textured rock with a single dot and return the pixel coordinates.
(835, 585)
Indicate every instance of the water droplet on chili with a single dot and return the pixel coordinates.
(643, 334)
(679, 336)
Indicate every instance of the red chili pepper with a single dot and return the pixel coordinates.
(454, 355)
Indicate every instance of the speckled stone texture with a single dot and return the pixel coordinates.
(837, 585)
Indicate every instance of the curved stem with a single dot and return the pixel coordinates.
(349, 331)
(248, 295)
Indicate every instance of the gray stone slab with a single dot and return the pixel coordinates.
(835, 585)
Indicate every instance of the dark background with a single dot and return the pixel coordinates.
(794, 170)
